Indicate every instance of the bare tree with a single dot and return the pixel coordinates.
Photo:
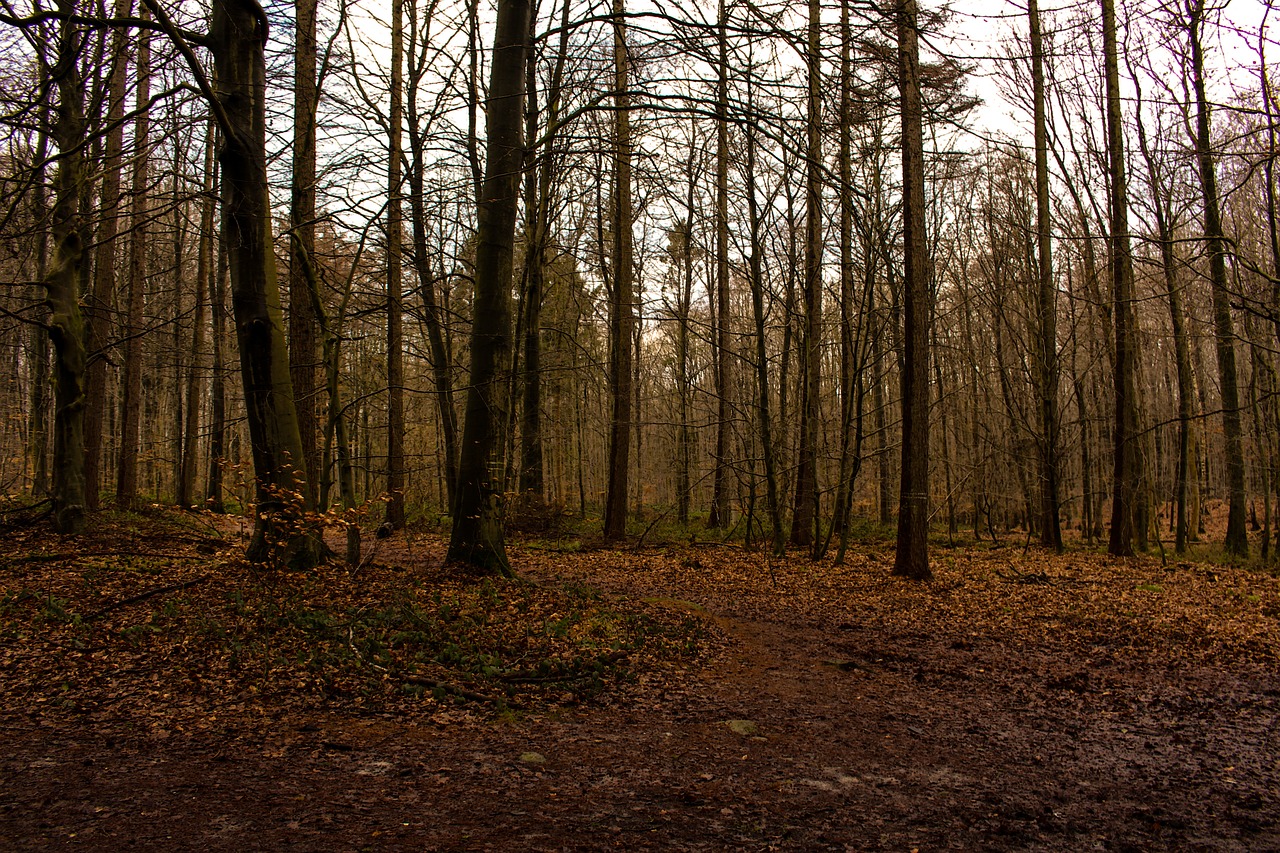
(477, 539)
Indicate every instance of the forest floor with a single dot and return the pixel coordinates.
(155, 694)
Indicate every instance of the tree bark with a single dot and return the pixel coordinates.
(131, 405)
(1237, 537)
(204, 264)
(805, 514)
(217, 285)
(719, 517)
(237, 38)
(62, 288)
(1047, 331)
(98, 313)
(477, 537)
(622, 327)
(1124, 472)
(1161, 205)
(395, 268)
(912, 558)
(756, 273)
(302, 216)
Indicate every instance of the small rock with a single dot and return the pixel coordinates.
(746, 728)
(532, 758)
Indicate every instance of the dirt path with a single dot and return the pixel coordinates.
(846, 737)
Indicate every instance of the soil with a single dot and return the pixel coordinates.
(1019, 702)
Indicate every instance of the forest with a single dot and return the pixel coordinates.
(827, 425)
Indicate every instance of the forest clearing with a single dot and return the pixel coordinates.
(484, 424)
(159, 694)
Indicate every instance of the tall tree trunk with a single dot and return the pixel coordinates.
(1162, 207)
(433, 315)
(217, 285)
(532, 467)
(805, 515)
(1124, 473)
(1047, 331)
(755, 268)
(477, 536)
(720, 514)
(912, 559)
(395, 267)
(38, 344)
(1237, 538)
(336, 432)
(302, 216)
(204, 263)
(622, 325)
(99, 305)
(62, 287)
(473, 100)
(684, 298)
(131, 408)
(237, 38)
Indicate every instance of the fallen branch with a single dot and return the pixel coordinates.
(143, 596)
(1026, 577)
(527, 677)
(460, 692)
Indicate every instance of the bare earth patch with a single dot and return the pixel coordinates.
(669, 699)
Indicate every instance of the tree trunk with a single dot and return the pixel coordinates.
(755, 263)
(237, 37)
(99, 306)
(38, 339)
(204, 263)
(62, 288)
(806, 497)
(217, 285)
(433, 319)
(719, 517)
(477, 536)
(912, 559)
(302, 216)
(1237, 538)
(622, 326)
(844, 483)
(1047, 331)
(537, 215)
(395, 267)
(1161, 205)
(1124, 477)
(131, 407)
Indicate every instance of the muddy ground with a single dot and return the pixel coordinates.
(1019, 702)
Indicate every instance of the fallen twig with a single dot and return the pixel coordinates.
(143, 596)
(461, 692)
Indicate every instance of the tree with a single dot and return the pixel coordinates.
(302, 224)
(186, 487)
(98, 313)
(395, 268)
(236, 39)
(1047, 331)
(1237, 538)
(140, 215)
(1125, 471)
(476, 540)
(720, 514)
(912, 558)
(62, 285)
(622, 309)
(805, 516)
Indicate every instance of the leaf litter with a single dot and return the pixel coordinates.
(677, 697)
